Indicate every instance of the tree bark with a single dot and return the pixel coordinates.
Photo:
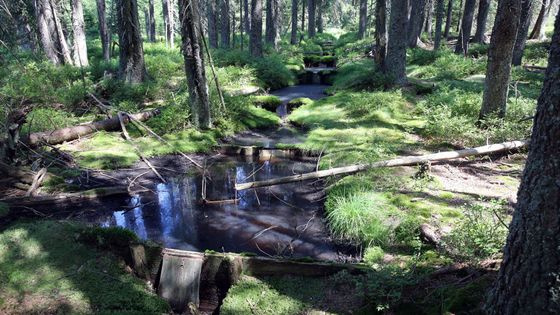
(147, 23)
(448, 20)
(462, 46)
(246, 18)
(362, 22)
(131, 59)
(540, 25)
(381, 34)
(194, 63)
(225, 27)
(528, 280)
(320, 25)
(416, 22)
(255, 40)
(429, 18)
(46, 27)
(103, 30)
(61, 37)
(25, 35)
(293, 36)
(168, 22)
(440, 7)
(481, 21)
(80, 46)
(152, 21)
(396, 45)
(521, 39)
(311, 27)
(273, 23)
(212, 16)
(500, 55)
(303, 2)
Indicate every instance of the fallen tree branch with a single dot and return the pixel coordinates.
(404, 161)
(67, 197)
(37, 180)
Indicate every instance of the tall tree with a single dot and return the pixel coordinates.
(246, 18)
(415, 22)
(440, 8)
(303, 3)
(462, 46)
(528, 281)
(481, 21)
(293, 35)
(311, 29)
(147, 23)
(429, 18)
(225, 27)
(78, 28)
(255, 40)
(272, 32)
(500, 54)
(152, 24)
(212, 17)
(396, 45)
(540, 24)
(448, 20)
(193, 54)
(103, 30)
(168, 22)
(523, 31)
(381, 34)
(320, 23)
(51, 34)
(362, 22)
(131, 58)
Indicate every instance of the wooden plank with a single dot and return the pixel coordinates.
(180, 278)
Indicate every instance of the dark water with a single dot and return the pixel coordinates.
(284, 220)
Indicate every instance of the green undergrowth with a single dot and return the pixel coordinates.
(43, 267)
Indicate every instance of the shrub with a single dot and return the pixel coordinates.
(273, 73)
(373, 255)
(447, 65)
(360, 75)
(44, 118)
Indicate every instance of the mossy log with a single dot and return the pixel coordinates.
(67, 197)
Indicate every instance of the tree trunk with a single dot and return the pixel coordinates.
(303, 2)
(481, 21)
(461, 8)
(396, 46)
(103, 30)
(416, 22)
(80, 46)
(47, 31)
(194, 63)
(500, 55)
(25, 36)
(152, 21)
(362, 23)
(293, 36)
(168, 22)
(225, 27)
(462, 46)
(540, 25)
(429, 18)
(276, 16)
(311, 18)
(528, 281)
(241, 25)
(246, 18)
(521, 39)
(448, 20)
(381, 34)
(440, 8)
(255, 40)
(131, 58)
(212, 14)
(320, 25)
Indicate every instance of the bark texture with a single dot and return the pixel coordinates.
(194, 63)
(168, 22)
(539, 28)
(131, 59)
(416, 22)
(448, 20)
(362, 23)
(429, 17)
(528, 281)
(524, 22)
(462, 46)
(311, 30)
(246, 19)
(255, 40)
(381, 34)
(78, 27)
(273, 23)
(440, 11)
(51, 35)
(212, 16)
(103, 30)
(320, 23)
(293, 35)
(500, 55)
(481, 21)
(396, 46)
(225, 26)
(152, 20)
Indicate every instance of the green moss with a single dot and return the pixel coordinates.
(373, 255)
(269, 102)
(111, 237)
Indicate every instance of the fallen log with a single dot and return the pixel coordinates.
(404, 161)
(67, 197)
(72, 133)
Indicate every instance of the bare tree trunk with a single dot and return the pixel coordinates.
(448, 20)
(311, 31)
(540, 25)
(528, 281)
(320, 25)
(255, 40)
(500, 55)
(60, 37)
(168, 22)
(416, 22)
(131, 58)
(381, 34)
(246, 16)
(147, 23)
(461, 8)
(268, 37)
(362, 23)
(481, 21)
(225, 27)
(103, 30)
(440, 8)
(429, 18)
(194, 63)
(293, 36)
(275, 24)
(80, 46)
(396, 45)
(521, 39)
(303, 2)
(462, 46)
(212, 14)
(241, 24)
(152, 21)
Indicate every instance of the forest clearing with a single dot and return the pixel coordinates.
(279, 157)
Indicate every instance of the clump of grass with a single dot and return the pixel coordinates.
(269, 102)
(445, 65)
(373, 255)
(358, 75)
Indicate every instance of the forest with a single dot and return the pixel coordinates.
(279, 157)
